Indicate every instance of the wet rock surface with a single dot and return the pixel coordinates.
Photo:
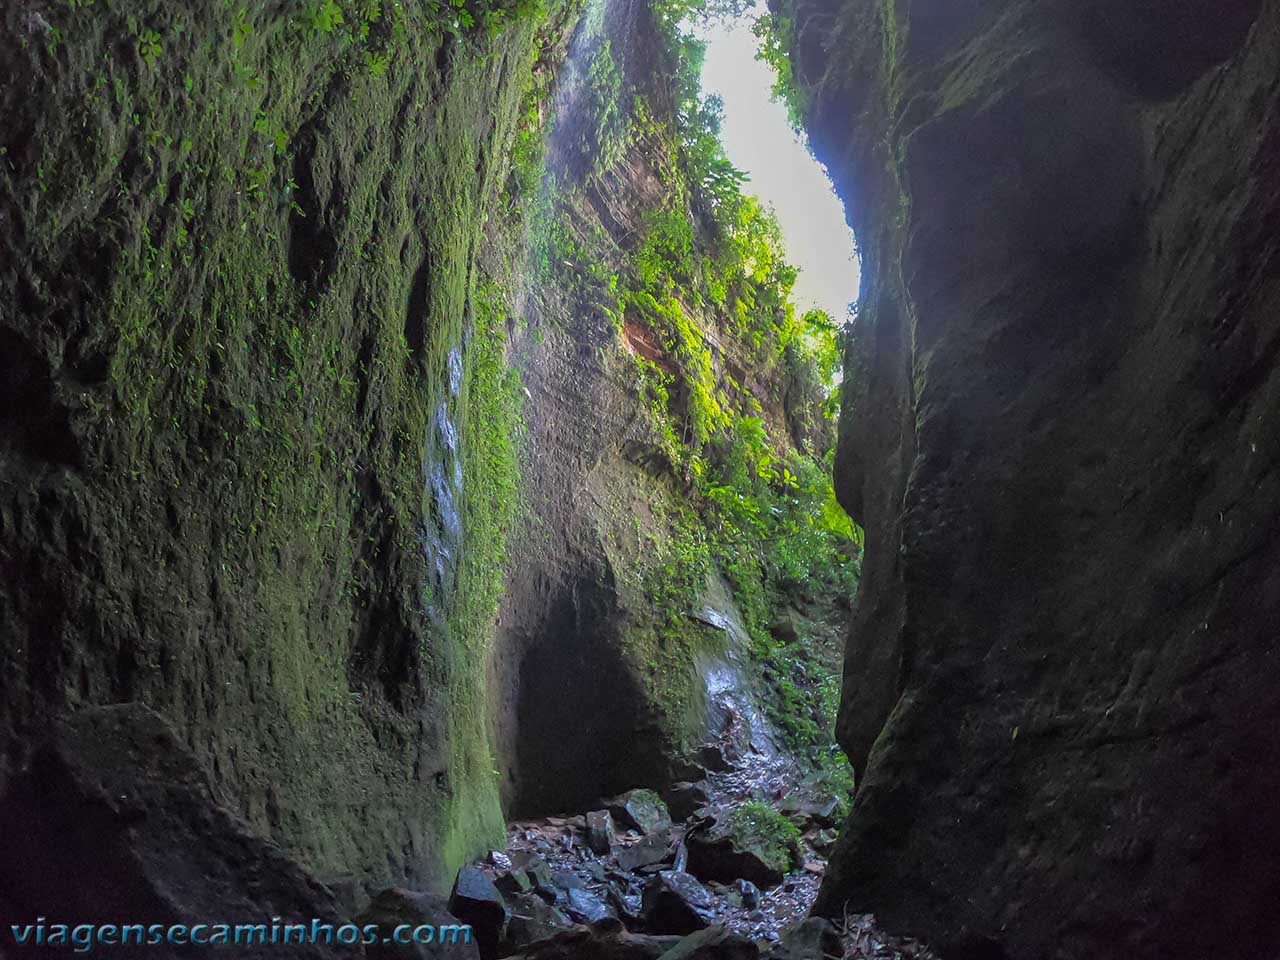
(675, 902)
(641, 810)
(475, 900)
(651, 894)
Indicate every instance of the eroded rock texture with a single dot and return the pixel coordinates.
(609, 627)
(114, 822)
(1061, 433)
(239, 407)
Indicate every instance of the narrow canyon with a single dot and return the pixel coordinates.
(429, 503)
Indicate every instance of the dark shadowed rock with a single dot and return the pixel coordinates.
(600, 831)
(824, 840)
(787, 627)
(400, 907)
(114, 819)
(514, 882)
(604, 941)
(475, 900)
(625, 899)
(684, 799)
(722, 854)
(814, 939)
(714, 943)
(539, 876)
(641, 810)
(676, 903)
(650, 850)
(533, 919)
(711, 757)
(1059, 430)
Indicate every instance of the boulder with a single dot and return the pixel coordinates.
(711, 757)
(651, 850)
(684, 799)
(475, 900)
(514, 882)
(812, 939)
(676, 903)
(725, 855)
(603, 941)
(397, 906)
(713, 943)
(585, 907)
(114, 818)
(539, 875)
(805, 810)
(600, 831)
(533, 919)
(642, 810)
(739, 846)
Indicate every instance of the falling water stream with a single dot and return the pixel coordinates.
(440, 532)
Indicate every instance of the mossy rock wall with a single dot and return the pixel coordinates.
(237, 345)
(659, 377)
(1059, 431)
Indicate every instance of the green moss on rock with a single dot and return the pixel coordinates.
(238, 246)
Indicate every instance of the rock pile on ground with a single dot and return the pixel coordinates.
(720, 868)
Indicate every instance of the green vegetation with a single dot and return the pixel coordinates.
(606, 135)
(774, 32)
(737, 391)
(248, 194)
(489, 430)
(774, 838)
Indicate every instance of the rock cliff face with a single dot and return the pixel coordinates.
(1060, 431)
(246, 440)
(599, 676)
(270, 279)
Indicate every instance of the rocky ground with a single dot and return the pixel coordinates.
(727, 866)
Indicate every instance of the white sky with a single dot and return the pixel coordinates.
(759, 141)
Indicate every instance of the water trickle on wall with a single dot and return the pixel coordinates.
(440, 532)
(734, 711)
